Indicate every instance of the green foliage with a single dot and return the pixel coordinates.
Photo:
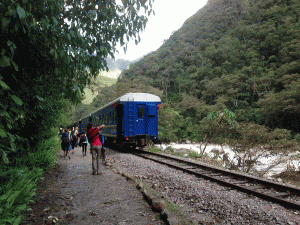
(58, 53)
(217, 128)
(297, 137)
(168, 119)
(49, 52)
(99, 82)
(152, 148)
(44, 156)
(236, 55)
(18, 186)
(194, 154)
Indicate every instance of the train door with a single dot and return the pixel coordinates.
(152, 123)
(120, 122)
(140, 119)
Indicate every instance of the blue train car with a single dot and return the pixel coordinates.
(131, 120)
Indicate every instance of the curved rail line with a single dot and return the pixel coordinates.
(261, 188)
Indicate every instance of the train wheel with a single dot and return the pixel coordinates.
(121, 145)
(133, 146)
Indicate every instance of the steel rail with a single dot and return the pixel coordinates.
(213, 177)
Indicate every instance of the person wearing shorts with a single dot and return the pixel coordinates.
(66, 144)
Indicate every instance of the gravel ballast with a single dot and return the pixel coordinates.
(203, 201)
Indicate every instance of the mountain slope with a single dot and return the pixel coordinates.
(241, 55)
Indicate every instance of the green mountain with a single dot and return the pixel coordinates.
(243, 55)
(119, 64)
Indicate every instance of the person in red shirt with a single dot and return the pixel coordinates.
(94, 140)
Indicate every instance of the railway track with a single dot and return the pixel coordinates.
(265, 189)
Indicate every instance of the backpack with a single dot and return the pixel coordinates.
(101, 138)
(65, 141)
(82, 139)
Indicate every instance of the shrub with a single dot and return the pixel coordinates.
(42, 156)
(194, 154)
(152, 148)
(217, 127)
(297, 137)
(255, 141)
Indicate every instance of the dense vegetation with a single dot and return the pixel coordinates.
(43, 72)
(236, 55)
(229, 75)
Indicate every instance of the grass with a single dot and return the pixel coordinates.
(290, 175)
(195, 155)
(100, 81)
(19, 179)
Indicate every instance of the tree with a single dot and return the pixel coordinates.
(60, 39)
(255, 141)
(218, 127)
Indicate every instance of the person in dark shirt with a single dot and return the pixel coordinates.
(66, 144)
(83, 143)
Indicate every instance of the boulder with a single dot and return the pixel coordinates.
(159, 206)
(215, 151)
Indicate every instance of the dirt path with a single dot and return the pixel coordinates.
(72, 195)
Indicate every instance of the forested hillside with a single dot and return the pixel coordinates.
(237, 55)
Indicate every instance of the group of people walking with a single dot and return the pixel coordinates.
(69, 140)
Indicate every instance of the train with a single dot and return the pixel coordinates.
(130, 120)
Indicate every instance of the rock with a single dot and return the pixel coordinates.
(173, 221)
(148, 197)
(183, 150)
(155, 186)
(92, 214)
(139, 186)
(188, 141)
(215, 151)
(69, 215)
(165, 214)
(53, 219)
(128, 177)
(159, 206)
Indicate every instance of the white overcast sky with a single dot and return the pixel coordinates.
(169, 16)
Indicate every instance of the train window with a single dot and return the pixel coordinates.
(140, 112)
